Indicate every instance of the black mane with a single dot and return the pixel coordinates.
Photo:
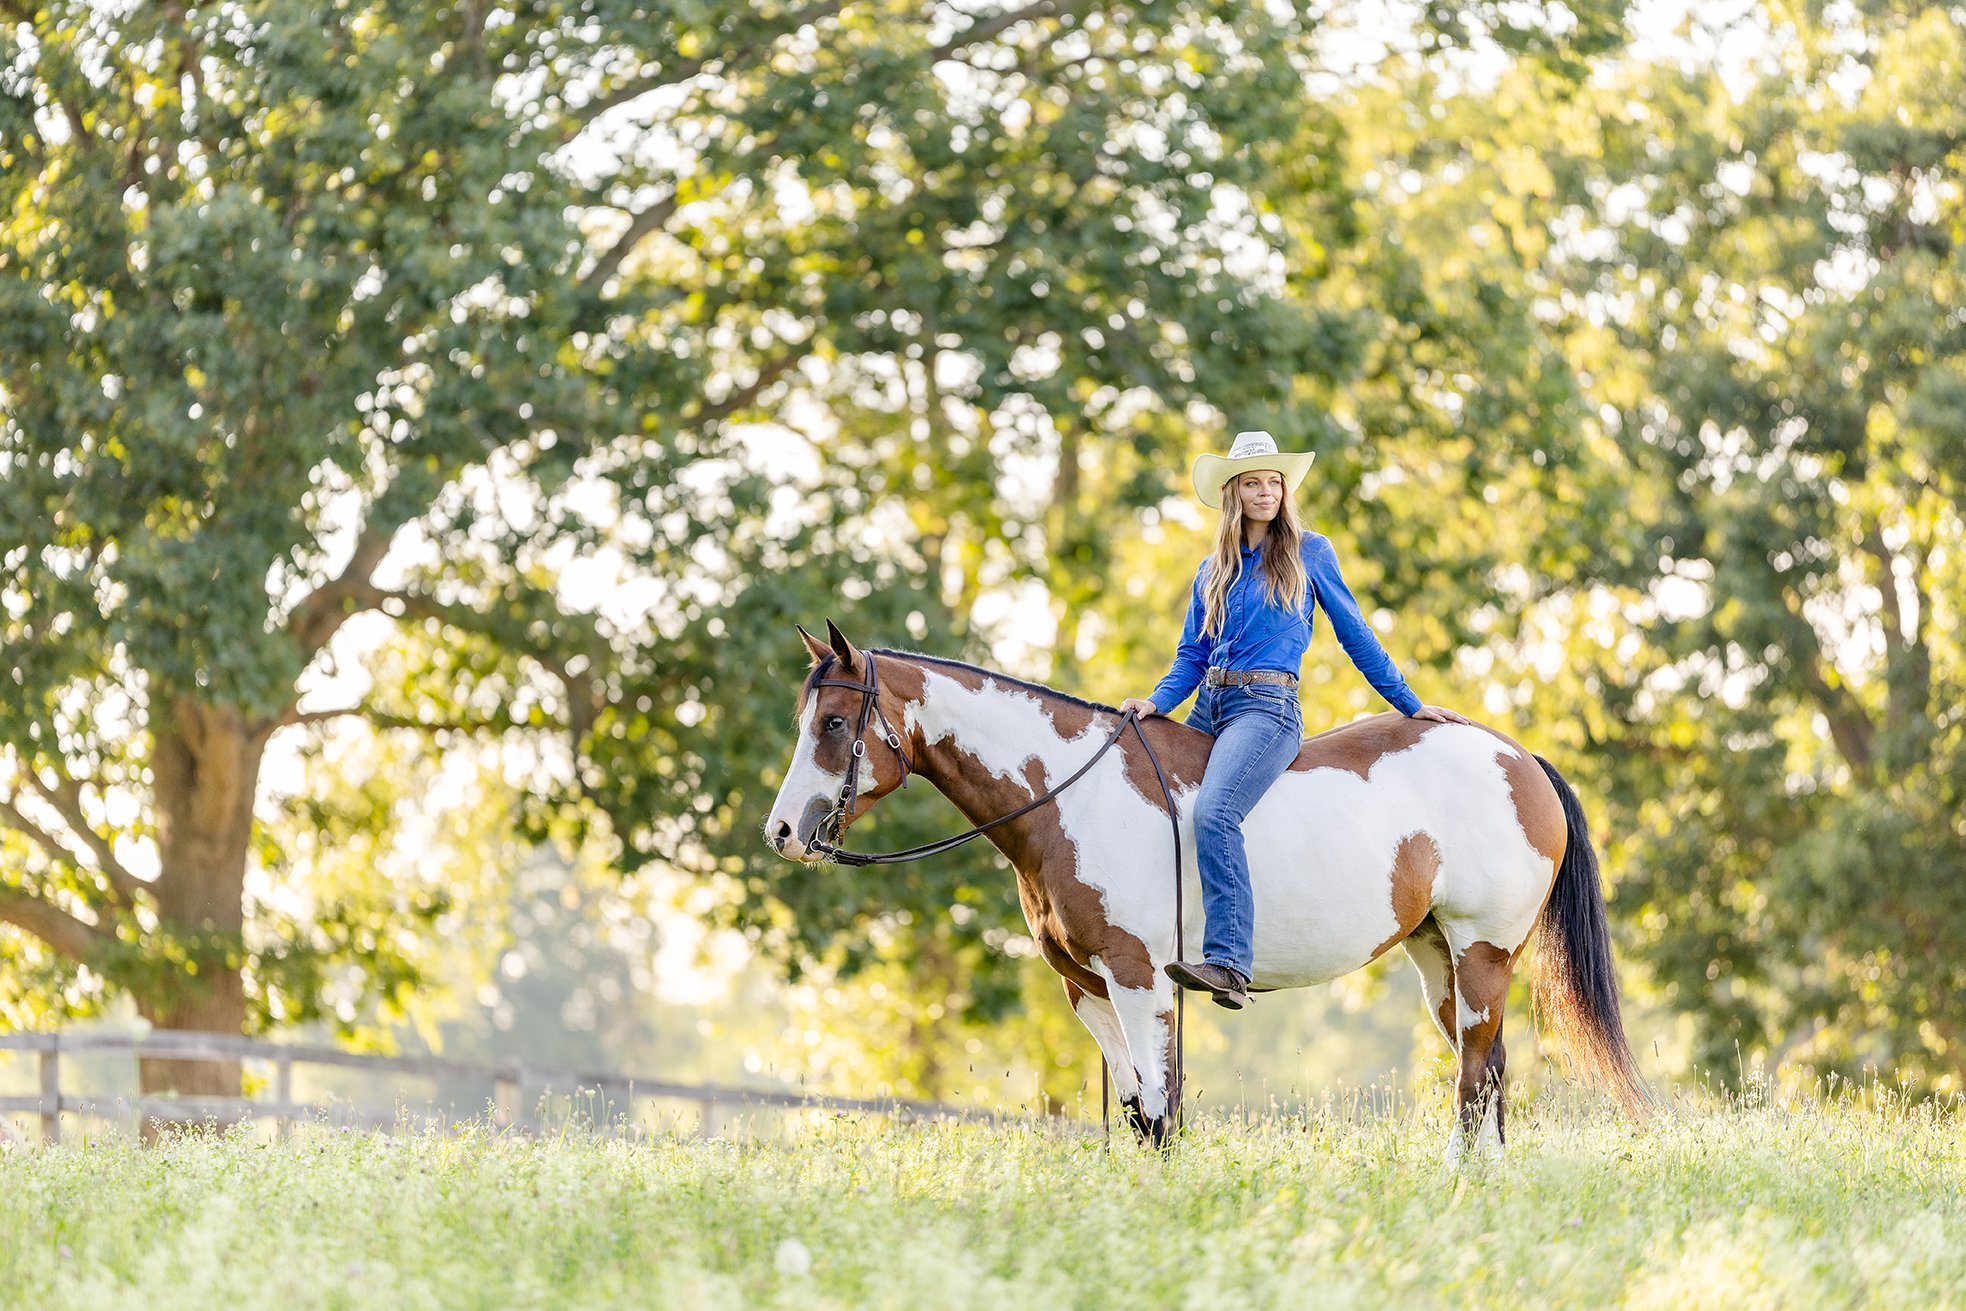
(818, 671)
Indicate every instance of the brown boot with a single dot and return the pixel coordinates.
(1227, 985)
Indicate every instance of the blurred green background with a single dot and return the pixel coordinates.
(421, 426)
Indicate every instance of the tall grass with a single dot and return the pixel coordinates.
(1740, 1203)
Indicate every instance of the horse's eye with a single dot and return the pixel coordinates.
(834, 723)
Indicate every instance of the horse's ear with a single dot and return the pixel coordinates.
(841, 647)
(814, 645)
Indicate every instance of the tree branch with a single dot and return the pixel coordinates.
(380, 719)
(20, 823)
(989, 28)
(1908, 665)
(66, 798)
(683, 71)
(322, 612)
(54, 926)
(744, 397)
(1849, 727)
(648, 221)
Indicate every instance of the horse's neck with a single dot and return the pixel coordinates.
(991, 747)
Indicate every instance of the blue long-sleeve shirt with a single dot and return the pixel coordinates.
(1258, 635)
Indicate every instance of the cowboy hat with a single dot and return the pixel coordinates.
(1252, 450)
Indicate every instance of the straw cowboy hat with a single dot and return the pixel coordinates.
(1252, 450)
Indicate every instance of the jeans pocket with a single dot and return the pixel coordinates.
(1284, 701)
(1274, 694)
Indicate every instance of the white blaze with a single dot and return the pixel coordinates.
(804, 781)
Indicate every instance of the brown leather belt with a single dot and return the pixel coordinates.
(1244, 677)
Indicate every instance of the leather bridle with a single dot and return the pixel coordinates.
(826, 836)
(870, 710)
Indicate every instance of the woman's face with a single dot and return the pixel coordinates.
(1261, 493)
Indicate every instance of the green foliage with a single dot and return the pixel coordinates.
(510, 381)
(1751, 649)
(318, 324)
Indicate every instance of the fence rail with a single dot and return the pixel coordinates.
(518, 1088)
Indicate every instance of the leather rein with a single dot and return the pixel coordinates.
(832, 826)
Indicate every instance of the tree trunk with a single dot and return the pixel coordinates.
(205, 766)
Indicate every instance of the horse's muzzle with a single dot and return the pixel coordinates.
(796, 844)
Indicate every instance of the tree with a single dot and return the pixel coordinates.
(1757, 288)
(403, 314)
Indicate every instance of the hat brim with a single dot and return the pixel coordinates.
(1211, 471)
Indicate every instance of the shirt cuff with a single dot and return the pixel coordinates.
(1407, 703)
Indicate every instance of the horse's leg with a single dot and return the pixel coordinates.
(1426, 947)
(1148, 1023)
(1481, 986)
(1103, 1022)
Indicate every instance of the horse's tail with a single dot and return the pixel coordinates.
(1576, 984)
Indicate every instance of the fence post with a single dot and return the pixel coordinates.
(51, 1090)
(505, 1098)
(707, 1126)
(283, 1094)
(532, 1089)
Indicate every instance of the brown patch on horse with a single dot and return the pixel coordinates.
(1358, 746)
(1072, 914)
(902, 684)
(1415, 865)
(1182, 752)
(1068, 719)
(1537, 807)
(1067, 917)
(1483, 970)
(1481, 979)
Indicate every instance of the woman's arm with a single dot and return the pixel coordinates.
(1190, 657)
(1354, 634)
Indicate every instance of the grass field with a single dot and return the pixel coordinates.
(1742, 1205)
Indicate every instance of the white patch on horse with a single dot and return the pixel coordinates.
(1000, 727)
(1103, 1022)
(1123, 841)
(1428, 952)
(1465, 1018)
(1322, 845)
(1140, 1012)
(1488, 1136)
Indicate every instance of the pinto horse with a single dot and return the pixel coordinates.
(1449, 840)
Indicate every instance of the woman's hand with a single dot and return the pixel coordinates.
(1142, 708)
(1440, 715)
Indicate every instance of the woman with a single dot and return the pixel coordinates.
(1249, 622)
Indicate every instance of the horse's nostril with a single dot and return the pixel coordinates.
(778, 836)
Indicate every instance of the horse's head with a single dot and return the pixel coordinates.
(841, 727)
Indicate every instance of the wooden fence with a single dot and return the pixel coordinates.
(516, 1091)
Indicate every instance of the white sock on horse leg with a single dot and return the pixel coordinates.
(1103, 1022)
(1144, 1020)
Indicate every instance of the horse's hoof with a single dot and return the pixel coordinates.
(1154, 1131)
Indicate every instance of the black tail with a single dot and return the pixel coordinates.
(1576, 985)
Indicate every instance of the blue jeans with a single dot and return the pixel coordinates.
(1257, 729)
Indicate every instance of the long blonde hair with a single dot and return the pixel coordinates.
(1282, 561)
